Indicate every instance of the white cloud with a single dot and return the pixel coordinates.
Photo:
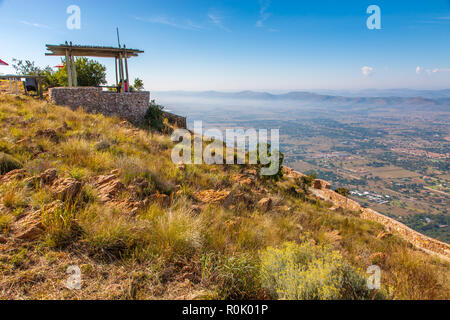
(419, 70)
(161, 19)
(218, 21)
(36, 25)
(263, 14)
(367, 71)
(441, 70)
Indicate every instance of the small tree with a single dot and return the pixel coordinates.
(154, 116)
(138, 84)
(26, 67)
(90, 73)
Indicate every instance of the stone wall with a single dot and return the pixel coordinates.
(129, 105)
(322, 190)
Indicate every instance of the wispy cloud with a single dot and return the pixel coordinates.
(164, 20)
(420, 70)
(263, 14)
(217, 20)
(367, 71)
(436, 20)
(441, 70)
(35, 25)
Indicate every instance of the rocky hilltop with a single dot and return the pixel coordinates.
(99, 194)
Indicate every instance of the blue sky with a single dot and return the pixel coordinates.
(276, 45)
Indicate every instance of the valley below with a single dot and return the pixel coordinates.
(391, 153)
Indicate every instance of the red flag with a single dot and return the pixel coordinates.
(3, 63)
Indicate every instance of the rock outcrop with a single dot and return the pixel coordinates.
(17, 174)
(213, 196)
(108, 186)
(66, 189)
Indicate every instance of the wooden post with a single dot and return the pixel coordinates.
(117, 76)
(68, 68)
(74, 72)
(120, 72)
(126, 68)
(10, 86)
(122, 76)
(40, 87)
(17, 91)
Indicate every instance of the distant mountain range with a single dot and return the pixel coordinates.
(395, 97)
(404, 93)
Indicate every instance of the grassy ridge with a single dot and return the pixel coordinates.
(179, 248)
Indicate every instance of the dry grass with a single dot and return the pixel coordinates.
(167, 251)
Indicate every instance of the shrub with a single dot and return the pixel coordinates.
(138, 84)
(310, 272)
(109, 234)
(343, 192)
(15, 198)
(236, 277)
(5, 223)
(8, 163)
(61, 226)
(175, 234)
(89, 72)
(154, 117)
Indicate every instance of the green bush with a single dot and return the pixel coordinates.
(90, 73)
(310, 272)
(8, 163)
(138, 84)
(154, 117)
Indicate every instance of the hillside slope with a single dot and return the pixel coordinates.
(95, 192)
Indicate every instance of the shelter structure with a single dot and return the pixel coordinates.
(120, 54)
(31, 83)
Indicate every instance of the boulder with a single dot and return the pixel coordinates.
(212, 196)
(48, 176)
(17, 174)
(321, 184)
(29, 228)
(161, 199)
(242, 180)
(66, 189)
(108, 186)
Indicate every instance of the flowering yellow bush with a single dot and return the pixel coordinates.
(310, 272)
